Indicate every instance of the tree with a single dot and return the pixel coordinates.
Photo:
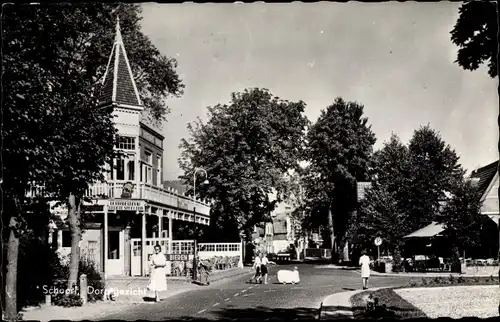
(434, 170)
(58, 138)
(475, 33)
(339, 147)
(246, 147)
(383, 212)
(461, 216)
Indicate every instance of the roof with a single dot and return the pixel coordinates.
(279, 227)
(431, 230)
(485, 175)
(361, 188)
(495, 218)
(118, 82)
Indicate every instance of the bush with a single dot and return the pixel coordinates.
(38, 266)
(94, 282)
(94, 279)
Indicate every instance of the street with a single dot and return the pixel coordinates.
(236, 298)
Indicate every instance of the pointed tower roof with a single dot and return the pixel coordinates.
(118, 84)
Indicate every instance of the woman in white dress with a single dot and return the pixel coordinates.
(364, 262)
(157, 277)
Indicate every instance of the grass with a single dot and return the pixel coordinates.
(452, 281)
(384, 303)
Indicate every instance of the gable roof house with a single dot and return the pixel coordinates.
(486, 181)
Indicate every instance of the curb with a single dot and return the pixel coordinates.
(338, 306)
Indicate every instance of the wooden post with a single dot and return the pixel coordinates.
(160, 222)
(106, 250)
(83, 288)
(170, 237)
(143, 245)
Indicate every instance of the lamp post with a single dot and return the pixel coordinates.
(195, 262)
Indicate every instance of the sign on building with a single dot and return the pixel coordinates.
(182, 204)
(177, 257)
(127, 205)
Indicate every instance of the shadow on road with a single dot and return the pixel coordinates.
(261, 313)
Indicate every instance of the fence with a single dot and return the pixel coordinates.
(219, 255)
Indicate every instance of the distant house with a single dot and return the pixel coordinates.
(486, 179)
(278, 235)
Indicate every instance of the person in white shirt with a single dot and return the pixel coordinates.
(263, 267)
(256, 266)
(364, 262)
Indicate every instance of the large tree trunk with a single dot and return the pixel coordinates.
(456, 266)
(397, 257)
(331, 226)
(74, 227)
(11, 277)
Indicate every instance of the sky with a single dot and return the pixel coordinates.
(394, 58)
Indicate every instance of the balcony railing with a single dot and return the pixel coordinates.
(165, 196)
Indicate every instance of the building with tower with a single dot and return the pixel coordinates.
(132, 210)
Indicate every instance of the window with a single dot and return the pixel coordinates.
(91, 250)
(111, 170)
(131, 167)
(149, 174)
(66, 238)
(125, 143)
(149, 157)
(158, 169)
(120, 169)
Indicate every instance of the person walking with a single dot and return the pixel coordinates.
(157, 276)
(263, 267)
(256, 265)
(364, 262)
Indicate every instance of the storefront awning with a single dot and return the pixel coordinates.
(431, 230)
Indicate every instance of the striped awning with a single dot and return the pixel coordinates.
(431, 230)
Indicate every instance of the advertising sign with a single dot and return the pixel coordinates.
(127, 205)
(178, 257)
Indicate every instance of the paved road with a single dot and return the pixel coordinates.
(235, 298)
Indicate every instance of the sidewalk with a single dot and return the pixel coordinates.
(338, 305)
(132, 292)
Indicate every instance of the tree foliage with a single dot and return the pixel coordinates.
(409, 185)
(435, 170)
(461, 215)
(339, 148)
(475, 33)
(246, 147)
(382, 212)
(55, 57)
